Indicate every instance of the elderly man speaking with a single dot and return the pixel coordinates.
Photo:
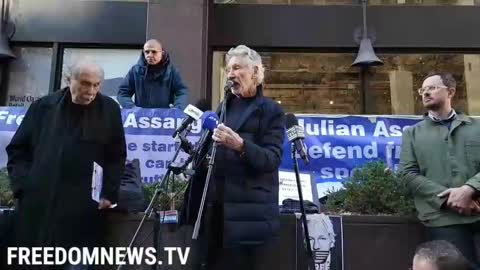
(51, 159)
(242, 207)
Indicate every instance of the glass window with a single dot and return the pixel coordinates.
(327, 84)
(354, 2)
(146, 1)
(115, 63)
(28, 75)
(404, 74)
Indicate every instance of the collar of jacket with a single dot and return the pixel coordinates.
(452, 114)
(463, 118)
(252, 107)
(59, 96)
(259, 90)
(93, 119)
(459, 118)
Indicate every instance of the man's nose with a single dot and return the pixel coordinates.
(231, 76)
(314, 244)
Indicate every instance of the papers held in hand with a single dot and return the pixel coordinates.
(97, 183)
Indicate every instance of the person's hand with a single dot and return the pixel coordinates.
(475, 207)
(460, 199)
(227, 137)
(104, 204)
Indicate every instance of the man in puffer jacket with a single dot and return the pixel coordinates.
(154, 81)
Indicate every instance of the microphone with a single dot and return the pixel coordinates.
(193, 114)
(295, 135)
(210, 122)
(228, 85)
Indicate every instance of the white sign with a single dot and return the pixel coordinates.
(288, 186)
(97, 181)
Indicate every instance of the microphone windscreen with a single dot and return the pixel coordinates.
(229, 84)
(290, 120)
(211, 121)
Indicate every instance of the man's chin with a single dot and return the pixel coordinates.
(431, 106)
(87, 100)
(236, 92)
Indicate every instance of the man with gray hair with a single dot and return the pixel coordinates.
(439, 255)
(51, 159)
(242, 207)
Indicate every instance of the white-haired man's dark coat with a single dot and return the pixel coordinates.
(50, 163)
(245, 185)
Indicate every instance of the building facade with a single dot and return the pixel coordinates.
(307, 46)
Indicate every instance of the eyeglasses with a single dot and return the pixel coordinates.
(430, 88)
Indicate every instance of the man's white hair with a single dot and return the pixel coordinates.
(78, 65)
(253, 58)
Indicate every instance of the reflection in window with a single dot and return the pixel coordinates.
(327, 84)
(28, 75)
(405, 74)
(354, 2)
(115, 62)
(313, 83)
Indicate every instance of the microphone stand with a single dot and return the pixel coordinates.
(302, 210)
(191, 158)
(176, 169)
(211, 162)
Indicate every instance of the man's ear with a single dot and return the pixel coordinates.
(255, 72)
(451, 92)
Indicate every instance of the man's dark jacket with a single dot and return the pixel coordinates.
(50, 169)
(154, 86)
(250, 189)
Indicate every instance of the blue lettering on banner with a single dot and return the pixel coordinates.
(155, 121)
(336, 145)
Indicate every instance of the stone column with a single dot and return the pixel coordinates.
(472, 83)
(219, 77)
(182, 27)
(401, 92)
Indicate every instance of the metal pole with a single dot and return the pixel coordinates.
(311, 261)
